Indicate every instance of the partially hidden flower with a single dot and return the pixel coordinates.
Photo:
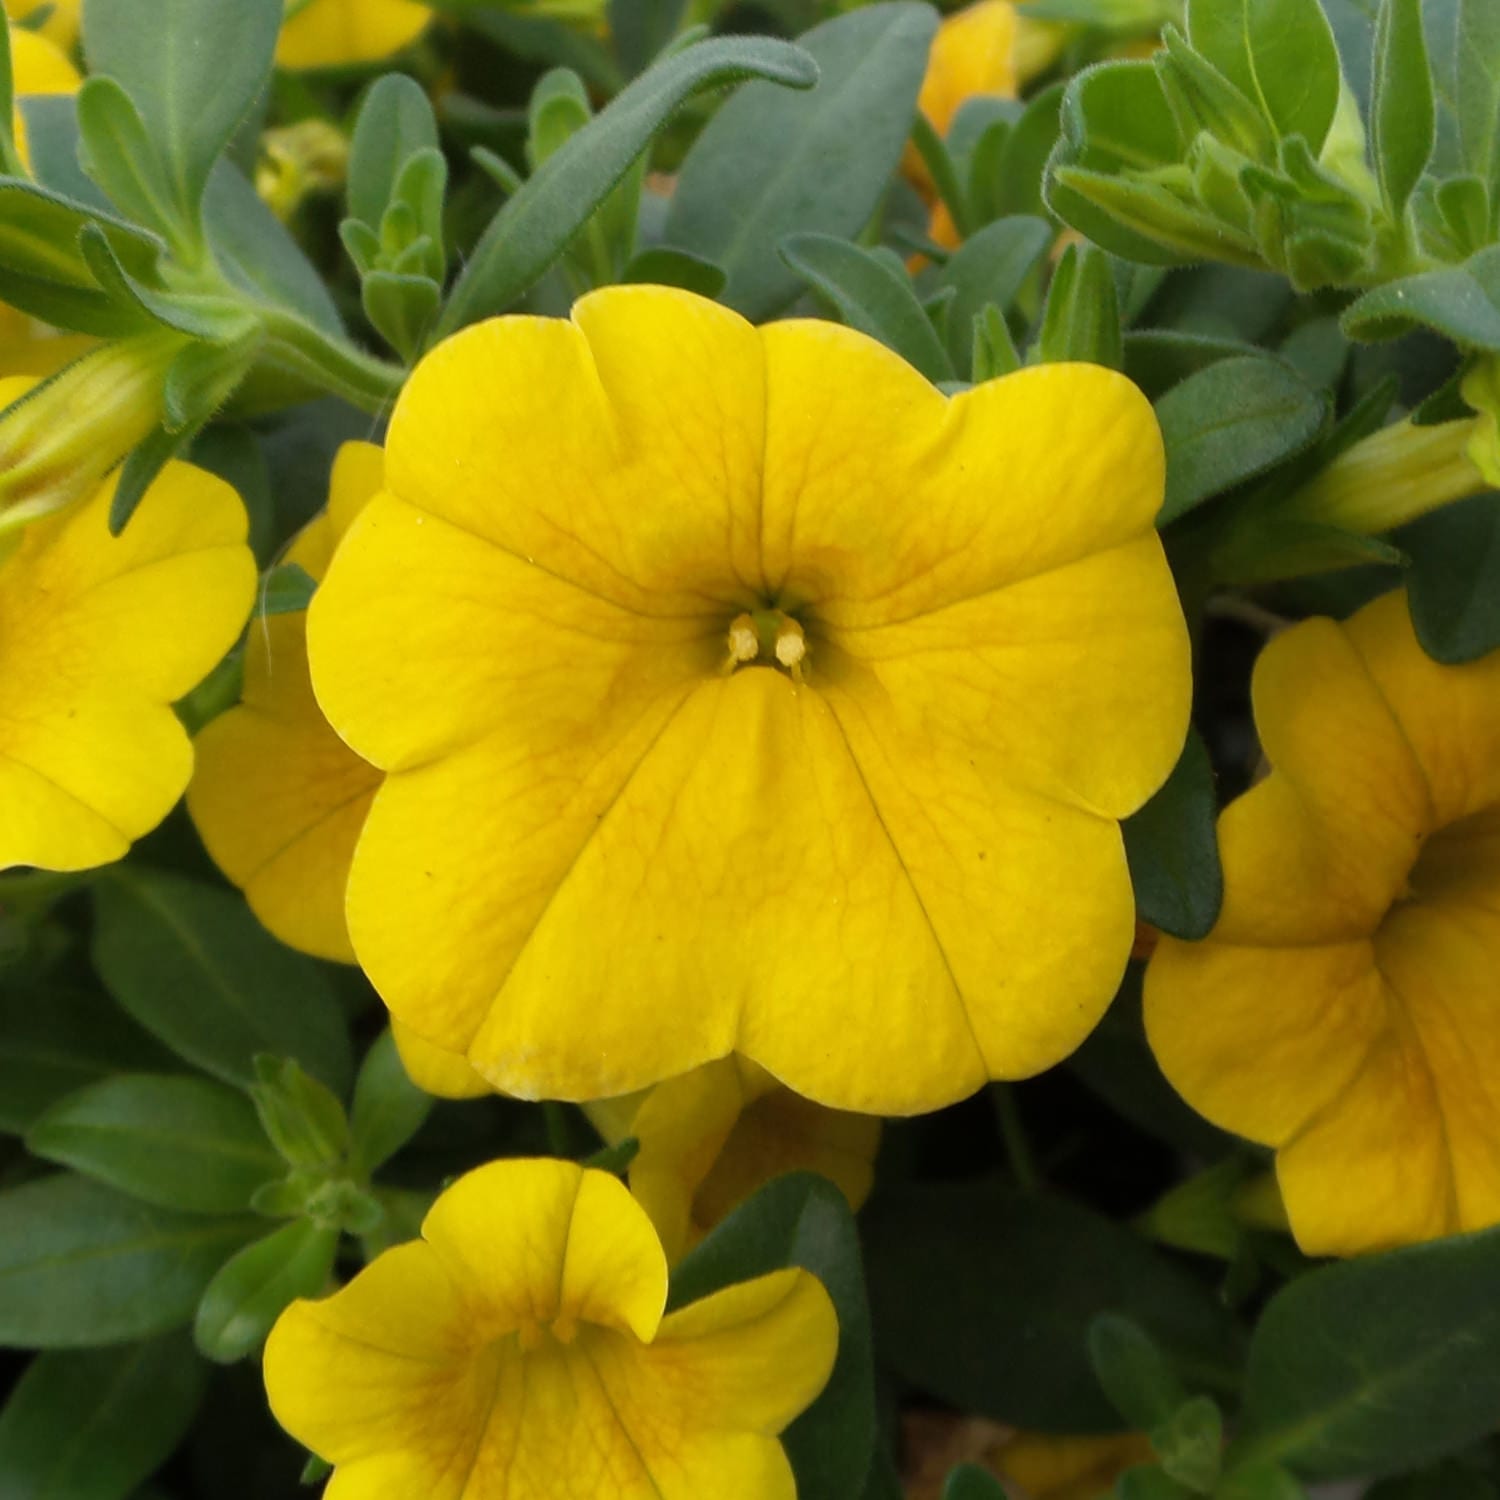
(342, 33)
(705, 1142)
(710, 1139)
(739, 692)
(59, 438)
(277, 797)
(1342, 1009)
(300, 161)
(38, 66)
(60, 26)
(519, 1350)
(100, 635)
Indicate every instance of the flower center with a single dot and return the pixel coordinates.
(770, 636)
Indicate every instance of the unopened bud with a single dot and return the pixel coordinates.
(59, 439)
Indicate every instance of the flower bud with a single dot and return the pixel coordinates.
(59, 439)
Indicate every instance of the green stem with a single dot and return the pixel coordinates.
(939, 163)
(338, 367)
(559, 1137)
(1013, 1135)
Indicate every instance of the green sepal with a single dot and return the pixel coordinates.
(1081, 320)
(994, 350)
(1190, 1444)
(287, 589)
(1202, 98)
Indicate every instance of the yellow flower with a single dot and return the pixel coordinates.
(278, 798)
(38, 66)
(1342, 1010)
(100, 635)
(738, 691)
(973, 54)
(518, 1350)
(339, 33)
(61, 25)
(711, 1138)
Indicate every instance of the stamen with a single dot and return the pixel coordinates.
(791, 646)
(744, 642)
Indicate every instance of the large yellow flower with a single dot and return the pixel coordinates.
(100, 635)
(1343, 1009)
(278, 798)
(738, 691)
(339, 33)
(711, 1138)
(518, 1351)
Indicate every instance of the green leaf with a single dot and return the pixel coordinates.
(193, 74)
(9, 161)
(970, 1482)
(1082, 318)
(1280, 54)
(1403, 117)
(185, 1143)
(1377, 1365)
(1232, 420)
(771, 164)
(57, 1040)
(989, 268)
(1009, 1286)
(120, 157)
(256, 253)
(192, 965)
(1449, 1481)
(389, 1109)
(803, 1220)
(288, 590)
(1453, 584)
(1460, 302)
(994, 350)
(870, 295)
(83, 1265)
(1151, 1484)
(665, 267)
(253, 1288)
(1133, 1372)
(52, 141)
(395, 122)
(536, 224)
(1016, 187)
(1477, 99)
(93, 1424)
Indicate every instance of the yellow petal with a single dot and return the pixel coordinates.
(648, 496)
(277, 797)
(446, 1074)
(337, 33)
(1450, 716)
(883, 500)
(762, 883)
(753, 1356)
(1260, 1039)
(1370, 1171)
(1438, 958)
(546, 1240)
(382, 1364)
(100, 635)
(29, 348)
